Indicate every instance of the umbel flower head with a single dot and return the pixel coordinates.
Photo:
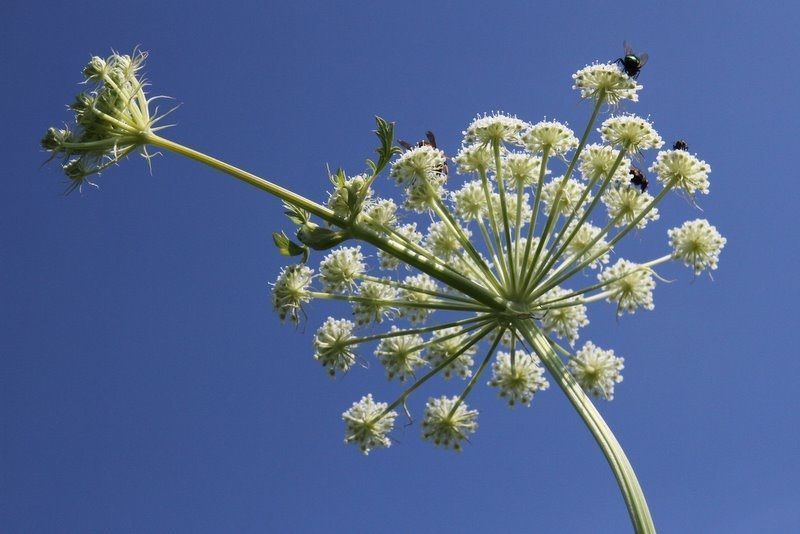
(500, 253)
(597, 370)
(112, 119)
(505, 254)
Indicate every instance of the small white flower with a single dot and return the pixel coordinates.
(341, 197)
(522, 169)
(380, 213)
(633, 290)
(697, 244)
(400, 355)
(474, 158)
(632, 132)
(341, 267)
(366, 426)
(332, 347)
(442, 349)
(470, 201)
(555, 136)
(597, 161)
(565, 321)
(586, 233)
(442, 241)
(511, 208)
(596, 370)
(570, 195)
(420, 281)
(408, 231)
(520, 381)
(374, 307)
(444, 428)
(687, 171)
(628, 203)
(422, 195)
(419, 163)
(290, 290)
(606, 80)
(494, 128)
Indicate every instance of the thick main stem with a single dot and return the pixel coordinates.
(623, 472)
(356, 230)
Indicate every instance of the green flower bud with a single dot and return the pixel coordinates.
(55, 138)
(318, 238)
(95, 69)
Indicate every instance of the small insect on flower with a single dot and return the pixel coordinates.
(430, 140)
(638, 178)
(680, 144)
(631, 62)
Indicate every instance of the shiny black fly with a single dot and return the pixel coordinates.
(631, 62)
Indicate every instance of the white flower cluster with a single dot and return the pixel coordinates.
(447, 349)
(447, 422)
(552, 136)
(630, 132)
(679, 168)
(514, 252)
(596, 370)
(341, 268)
(607, 81)
(368, 424)
(519, 378)
(697, 244)
(629, 285)
(332, 345)
(496, 127)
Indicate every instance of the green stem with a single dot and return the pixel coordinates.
(554, 211)
(493, 224)
(553, 281)
(476, 337)
(423, 330)
(498, 176)
(428, 305)
(358, 231)
(478, 373)
(615, 455)
(537, 200)
(408, 287)
(551, 258)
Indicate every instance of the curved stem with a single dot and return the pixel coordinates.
(623, 472)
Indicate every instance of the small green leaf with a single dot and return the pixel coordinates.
(319, 238)
(297, 215)
(286, 247)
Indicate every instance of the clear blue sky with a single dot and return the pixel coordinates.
(146, 385)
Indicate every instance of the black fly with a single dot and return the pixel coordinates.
(631, 62)
(639, 179)
(680, 144)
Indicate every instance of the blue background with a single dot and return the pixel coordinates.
(146, 385)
